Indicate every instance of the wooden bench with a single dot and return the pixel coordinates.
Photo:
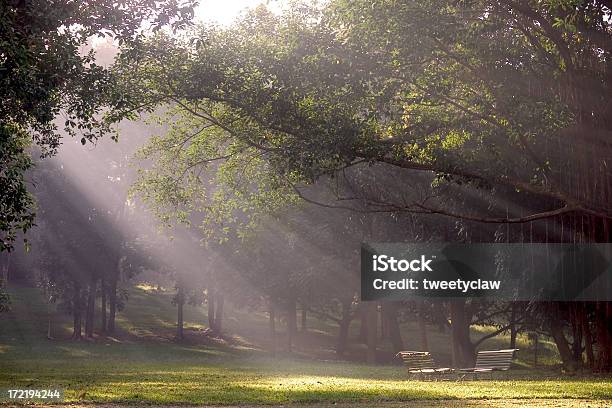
(421, 363)
(489, 361)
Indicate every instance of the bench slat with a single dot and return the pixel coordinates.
(494, 359)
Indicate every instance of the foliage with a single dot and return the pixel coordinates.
(16, 204)
(485, 96)
(44, 74)
(5, 300)
(198, 174)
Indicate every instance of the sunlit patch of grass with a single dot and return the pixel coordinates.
(75, 352)
(147, 287)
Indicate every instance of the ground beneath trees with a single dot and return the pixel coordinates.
(144, 366)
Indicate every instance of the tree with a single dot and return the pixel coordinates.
(411, 101)
(43, 74)
(71, 235)
(497, 112)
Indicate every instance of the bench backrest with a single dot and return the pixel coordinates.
(417, 360)
(495, 359)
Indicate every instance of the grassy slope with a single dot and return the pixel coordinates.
(145, 366)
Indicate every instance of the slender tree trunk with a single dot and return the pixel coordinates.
(49, 337)
(112, 302)
(363, 323)
(463, 349)
(77, 314)
(211, 308)
(423, 326)
(219, 312)
(180, 302)
(576, 313)
(440, 316)
(389, 310)
(272, 322)
(345, 322)
(103, 311)
(588, 339)
(77, 330)
(90, 311)
(291, 323)
(371, 324)
(609, 336)
(604, 345)
(384, 331)
(292, 316)
(513, 331)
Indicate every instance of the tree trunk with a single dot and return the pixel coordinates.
(180, 302)
(345, 322)
(112, 303)
(575, 316)
(76, 328)
(77, 314)
(604, 343)
(291, 322)
(389, 310)
(588, 339)
(513, 331)
(423, 326)
(219, 312)
(49, 336)
(609, 337)
(556, 332)
(103, 290)
(576, 313)
(272, 322)
(363, 323)
(371, 324)
(384, 331)
(555, 323)
(463, 349)
(440, 316)
(91, 306)
(211, 308)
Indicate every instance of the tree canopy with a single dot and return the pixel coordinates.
(45, 77)
(481, 112)
(506, 100)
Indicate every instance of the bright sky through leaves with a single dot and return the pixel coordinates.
(225, 11)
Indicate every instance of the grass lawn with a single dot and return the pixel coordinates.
(154, 371)
(172, 374)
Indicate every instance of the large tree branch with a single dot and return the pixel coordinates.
(495, 333)
(418, 208)
(546, 26)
